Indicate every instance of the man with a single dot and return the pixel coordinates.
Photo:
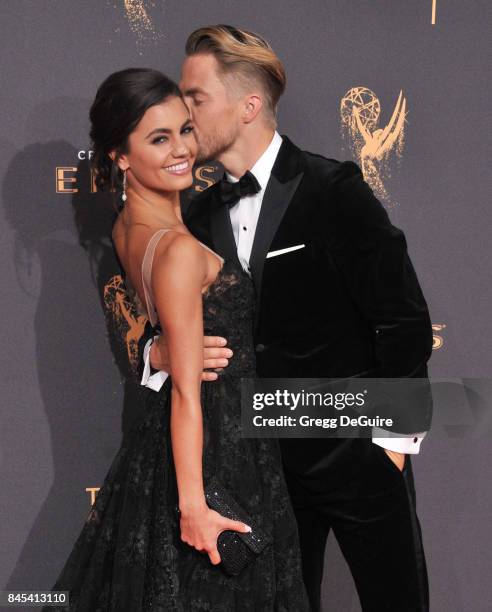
(337, 297)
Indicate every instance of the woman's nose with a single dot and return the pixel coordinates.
(180, 149)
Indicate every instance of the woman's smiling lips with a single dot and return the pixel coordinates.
(181, 168)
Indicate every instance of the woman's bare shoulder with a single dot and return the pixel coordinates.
(180, 264)
(179, 249)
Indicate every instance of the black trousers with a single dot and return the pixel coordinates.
(353, 487)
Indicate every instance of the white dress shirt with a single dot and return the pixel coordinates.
(244, 218)
(244, 215)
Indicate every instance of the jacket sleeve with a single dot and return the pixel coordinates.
(370, 255)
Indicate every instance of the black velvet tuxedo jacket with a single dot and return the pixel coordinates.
(346, 304)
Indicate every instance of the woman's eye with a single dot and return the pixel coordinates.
(188, 130)
(159, 139)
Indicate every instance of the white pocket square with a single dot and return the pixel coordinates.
(286, 250)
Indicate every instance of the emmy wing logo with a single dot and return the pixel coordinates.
(372, 146)
(127, 315)
(141, 17)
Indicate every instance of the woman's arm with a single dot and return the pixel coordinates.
(178, 276)
(215, 355)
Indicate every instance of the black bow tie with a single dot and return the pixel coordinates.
(230, 193)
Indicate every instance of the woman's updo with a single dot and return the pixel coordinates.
(121, 102)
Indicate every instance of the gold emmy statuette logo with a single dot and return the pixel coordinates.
(127, 314)
(438, 340)
(371, 145)
(140, 21)
(93, 491)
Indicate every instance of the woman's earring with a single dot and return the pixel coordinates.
(123, 195)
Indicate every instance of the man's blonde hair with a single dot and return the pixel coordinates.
(245, 57)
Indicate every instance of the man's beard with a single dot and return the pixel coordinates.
(212, 146)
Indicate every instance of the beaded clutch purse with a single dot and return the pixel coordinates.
(236, 549)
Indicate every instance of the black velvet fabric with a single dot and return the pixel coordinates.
(348, 303)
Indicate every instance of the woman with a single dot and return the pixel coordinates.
(150, 541)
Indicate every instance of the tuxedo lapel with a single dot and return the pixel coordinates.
(286, 175)
(284, 180)
(221, 229)
(275, 202)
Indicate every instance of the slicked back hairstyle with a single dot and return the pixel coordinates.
(244, 57)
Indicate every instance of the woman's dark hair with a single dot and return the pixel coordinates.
(121, 102)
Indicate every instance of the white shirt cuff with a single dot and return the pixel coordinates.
(154, 381)
(400, 443)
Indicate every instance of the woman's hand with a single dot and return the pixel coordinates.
(201, 527)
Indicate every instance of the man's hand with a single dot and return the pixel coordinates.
(215, 355)
(397, 458)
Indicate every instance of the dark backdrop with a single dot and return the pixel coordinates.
(68, 329)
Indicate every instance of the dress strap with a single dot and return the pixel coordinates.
(147, 261)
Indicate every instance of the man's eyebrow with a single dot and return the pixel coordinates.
(193, 91)
(163, 130)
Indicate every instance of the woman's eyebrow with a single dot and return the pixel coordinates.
(159, 130)
(166, 130)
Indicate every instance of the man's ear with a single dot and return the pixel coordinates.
(252, 107)
(122, 160)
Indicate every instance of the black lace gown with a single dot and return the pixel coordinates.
(129, 555)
